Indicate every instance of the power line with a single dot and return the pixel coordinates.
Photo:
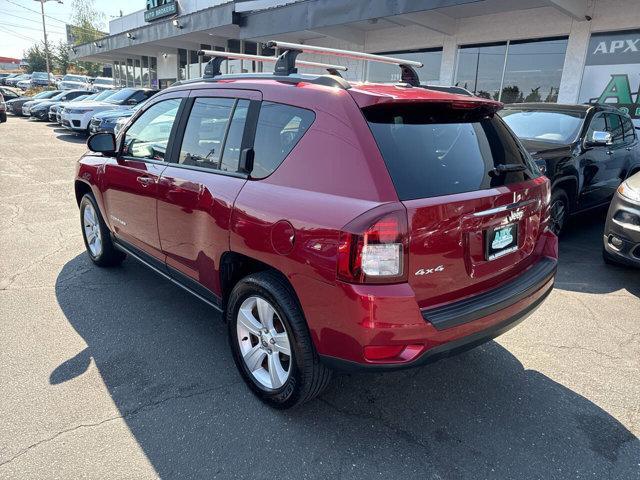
(93, 30)
(30, 28)
(23, 37)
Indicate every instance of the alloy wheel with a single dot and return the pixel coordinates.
(92, 230)
(264, 343)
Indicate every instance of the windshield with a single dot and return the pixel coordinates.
(46, 94)
(74, 78)
(121, 95)
(58, 96)
(90, 97)
(80, 98)
(436, 150)
(38, 75)
(103, 95)
(103, 81)
(555, 127)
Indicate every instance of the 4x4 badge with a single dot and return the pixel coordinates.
(429, 271)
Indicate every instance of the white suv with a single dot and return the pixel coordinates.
(77, 118)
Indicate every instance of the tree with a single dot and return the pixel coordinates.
(36, 59)
(86, 21)
(86, 26)
(61, 57)
(534, 96)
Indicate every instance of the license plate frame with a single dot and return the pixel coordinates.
(493, 239)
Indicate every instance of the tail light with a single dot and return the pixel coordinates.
(373, 248)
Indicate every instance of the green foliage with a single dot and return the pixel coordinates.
(36, 59)
(534, 96)
(60, 53)
(87, 23)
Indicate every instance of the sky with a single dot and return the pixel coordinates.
(21, 22)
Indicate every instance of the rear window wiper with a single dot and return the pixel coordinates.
(506, 168)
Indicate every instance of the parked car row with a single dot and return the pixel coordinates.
(68, 82)
(81, 110)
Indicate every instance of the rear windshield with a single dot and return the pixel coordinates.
(555, 127)
(433, 150)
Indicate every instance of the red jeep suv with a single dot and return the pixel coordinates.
(335, 224)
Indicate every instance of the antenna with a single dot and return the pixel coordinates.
(286, 64)
(212, 68)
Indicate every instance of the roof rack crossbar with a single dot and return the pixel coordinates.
(286, 61)
(212, 68)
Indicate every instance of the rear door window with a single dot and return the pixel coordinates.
(204, 135)
(434, 150)
(280, 127)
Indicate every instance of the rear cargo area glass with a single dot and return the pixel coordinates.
(432, 150)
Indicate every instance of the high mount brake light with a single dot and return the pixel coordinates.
(374, 247)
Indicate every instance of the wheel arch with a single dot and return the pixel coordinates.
(235, 266)
(569, 185)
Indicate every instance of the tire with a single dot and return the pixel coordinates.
(104, 255)
(306, 377)
(559, 201)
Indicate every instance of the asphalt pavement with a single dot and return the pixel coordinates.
(119, 374)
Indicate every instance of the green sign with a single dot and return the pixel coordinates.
(159, 9)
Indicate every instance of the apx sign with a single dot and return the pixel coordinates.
(612, 71)
(159, 9)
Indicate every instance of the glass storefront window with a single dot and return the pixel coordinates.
(182, 64)
(116, 73)
(194, 64)
(533, 71)
(136, 75)
(234, 66)
(145, 72)
(479, 69)
(514, 71)
(129, 72)
(252, 49)
(429, 73)
(153, 72)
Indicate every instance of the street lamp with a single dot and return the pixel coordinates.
(46, 43)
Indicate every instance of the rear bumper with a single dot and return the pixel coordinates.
(363, 318)
(449, 349)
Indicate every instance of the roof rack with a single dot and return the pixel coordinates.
(212, 67)
(286, 64)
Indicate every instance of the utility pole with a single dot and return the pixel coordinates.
(46, 43)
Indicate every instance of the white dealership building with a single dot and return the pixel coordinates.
(512, 50)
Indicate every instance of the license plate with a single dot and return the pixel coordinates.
(501, 241)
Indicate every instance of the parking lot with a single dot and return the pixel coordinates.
(119, 374)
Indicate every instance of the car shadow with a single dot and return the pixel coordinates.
(66, 136)
(582, 268)
(165, 361)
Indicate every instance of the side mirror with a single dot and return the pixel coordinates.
(132, 101)
(102, 143)
(599, 139)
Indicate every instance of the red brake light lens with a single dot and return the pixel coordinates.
(373, 248)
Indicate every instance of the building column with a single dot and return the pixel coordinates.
(574, 62)
(448, 65)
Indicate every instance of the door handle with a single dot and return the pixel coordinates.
(145, 181)
(629, 149)
(609, 152)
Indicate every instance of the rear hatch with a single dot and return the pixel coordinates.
(475, 200)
